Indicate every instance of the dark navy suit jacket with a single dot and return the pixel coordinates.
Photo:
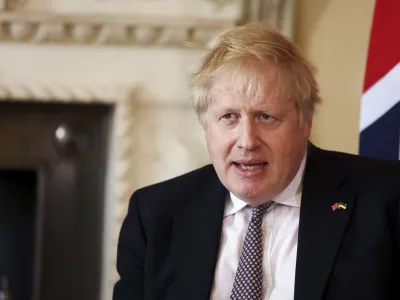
(169, 241)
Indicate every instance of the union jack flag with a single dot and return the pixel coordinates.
(380, 105)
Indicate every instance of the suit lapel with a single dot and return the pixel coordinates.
(197, 231)
(321, 228)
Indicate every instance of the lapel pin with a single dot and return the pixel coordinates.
(339, 205)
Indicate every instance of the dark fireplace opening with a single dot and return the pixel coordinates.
(53, 160)
(18, 222)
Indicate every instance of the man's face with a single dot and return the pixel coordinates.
(256, 144)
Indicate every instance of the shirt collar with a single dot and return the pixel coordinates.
(291, 195)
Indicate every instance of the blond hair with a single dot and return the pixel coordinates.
(239, 61)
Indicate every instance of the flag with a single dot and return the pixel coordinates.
(339, 205)
(380, 104)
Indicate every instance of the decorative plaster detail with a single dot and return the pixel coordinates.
(45, 28)
(13, 4)
(278, 13)
(56, 93)
(222, 3)
(135, 30)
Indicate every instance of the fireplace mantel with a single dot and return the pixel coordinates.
(121, 159)
(158, 23)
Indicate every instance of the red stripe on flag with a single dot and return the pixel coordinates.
(384, 48)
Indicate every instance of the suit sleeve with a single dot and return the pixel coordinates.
(131, 256)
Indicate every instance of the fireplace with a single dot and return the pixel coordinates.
(18, 230)
(53, 160)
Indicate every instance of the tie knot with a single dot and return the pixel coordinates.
(259, 211)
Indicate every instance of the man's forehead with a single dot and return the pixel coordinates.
(225, 99)
(250, 83)
(236, 76)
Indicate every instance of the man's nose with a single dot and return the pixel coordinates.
(248, 136)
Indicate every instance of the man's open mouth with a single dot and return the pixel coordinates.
(250, 166)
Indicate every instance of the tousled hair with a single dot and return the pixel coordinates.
(240, 61)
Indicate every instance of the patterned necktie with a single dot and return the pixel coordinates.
(248, 284)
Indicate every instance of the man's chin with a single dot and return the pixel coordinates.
(252, 197)
(251, 193)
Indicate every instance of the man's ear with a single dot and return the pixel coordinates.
(307, 126)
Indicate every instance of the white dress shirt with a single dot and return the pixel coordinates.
(280, 232)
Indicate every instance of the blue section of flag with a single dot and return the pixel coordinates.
(382, 138)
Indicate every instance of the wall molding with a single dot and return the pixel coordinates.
(50, 28)
(22, 25)
(56, 92)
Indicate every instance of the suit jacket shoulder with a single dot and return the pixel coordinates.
(161, 200)
(349, 252)
(369, 173)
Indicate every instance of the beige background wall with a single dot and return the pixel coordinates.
(334, 34)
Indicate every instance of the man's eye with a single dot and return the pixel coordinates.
(265, 117)
(228, 116)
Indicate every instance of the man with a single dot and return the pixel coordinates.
(273, 217)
